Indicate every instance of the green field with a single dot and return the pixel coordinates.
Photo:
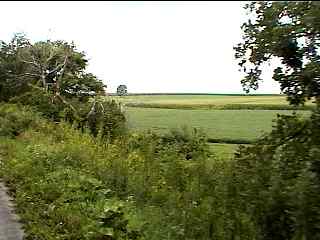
(161, 113)
(204, 101)
(217, 124)
(223, 151)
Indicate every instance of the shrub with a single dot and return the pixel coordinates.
(103, 118)
(189, 143)
(41, 102)
(59, 191)
(277, 180)
(113, 123)
(14, 120)
(70, 185)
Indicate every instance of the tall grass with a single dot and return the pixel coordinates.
(69, 185)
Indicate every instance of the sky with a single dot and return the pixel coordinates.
(158, 47)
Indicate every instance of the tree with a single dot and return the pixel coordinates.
(49, 75)
(12, 82)
(55, 66)
(82, 85)
(289, 31)
(59, 66)
(277, 179)
(122, 90)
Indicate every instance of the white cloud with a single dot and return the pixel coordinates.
(149, 46)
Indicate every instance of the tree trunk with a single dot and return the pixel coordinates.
(44, 82)
(317, 98)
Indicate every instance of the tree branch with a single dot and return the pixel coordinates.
(30, 74)
(56, 69)
(33, 63)
(102, 107)
(50, 56)
(92, 109)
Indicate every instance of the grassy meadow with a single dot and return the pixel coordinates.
(204, 99)
(233, 119)
(207, 101)
(223, 151)
(217, 124)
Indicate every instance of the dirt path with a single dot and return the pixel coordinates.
(10, 228)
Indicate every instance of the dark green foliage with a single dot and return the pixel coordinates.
(115, 225)
(104, 119)
(12, 82)
(54, 66)
(99, 116)
(83, 86)
(110, 184)
(14, 120)
(122, 90)
(50, 77)
(42, 102)
(113, 123)
(190, 144)
(61, 171)
(278, 179)
(170, 187)
(288, 31)
(52, 177)
(69, 179)
(230, 141)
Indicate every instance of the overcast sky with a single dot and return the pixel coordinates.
(149, 46)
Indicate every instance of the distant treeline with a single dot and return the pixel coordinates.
(222, 107)
(201, 94)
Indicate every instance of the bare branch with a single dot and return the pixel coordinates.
(92, 109)
(59, 66)
(50, 56)
(33, 63)
(34, 86)
(102, 107)
(64, 66)
(68, 104)
(30, 74)
(57, 84)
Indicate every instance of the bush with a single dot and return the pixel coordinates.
(71, 185)
(14, 120)
(69, 179)
(190, 144)
(58, 189)
(230, 141)
(113, 123)
(41, 102)
(100, 117)
(277, 180)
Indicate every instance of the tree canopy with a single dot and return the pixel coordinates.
(51, 76)
(55, 66)
(277, 178)
(289, 31)
(122, 90)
